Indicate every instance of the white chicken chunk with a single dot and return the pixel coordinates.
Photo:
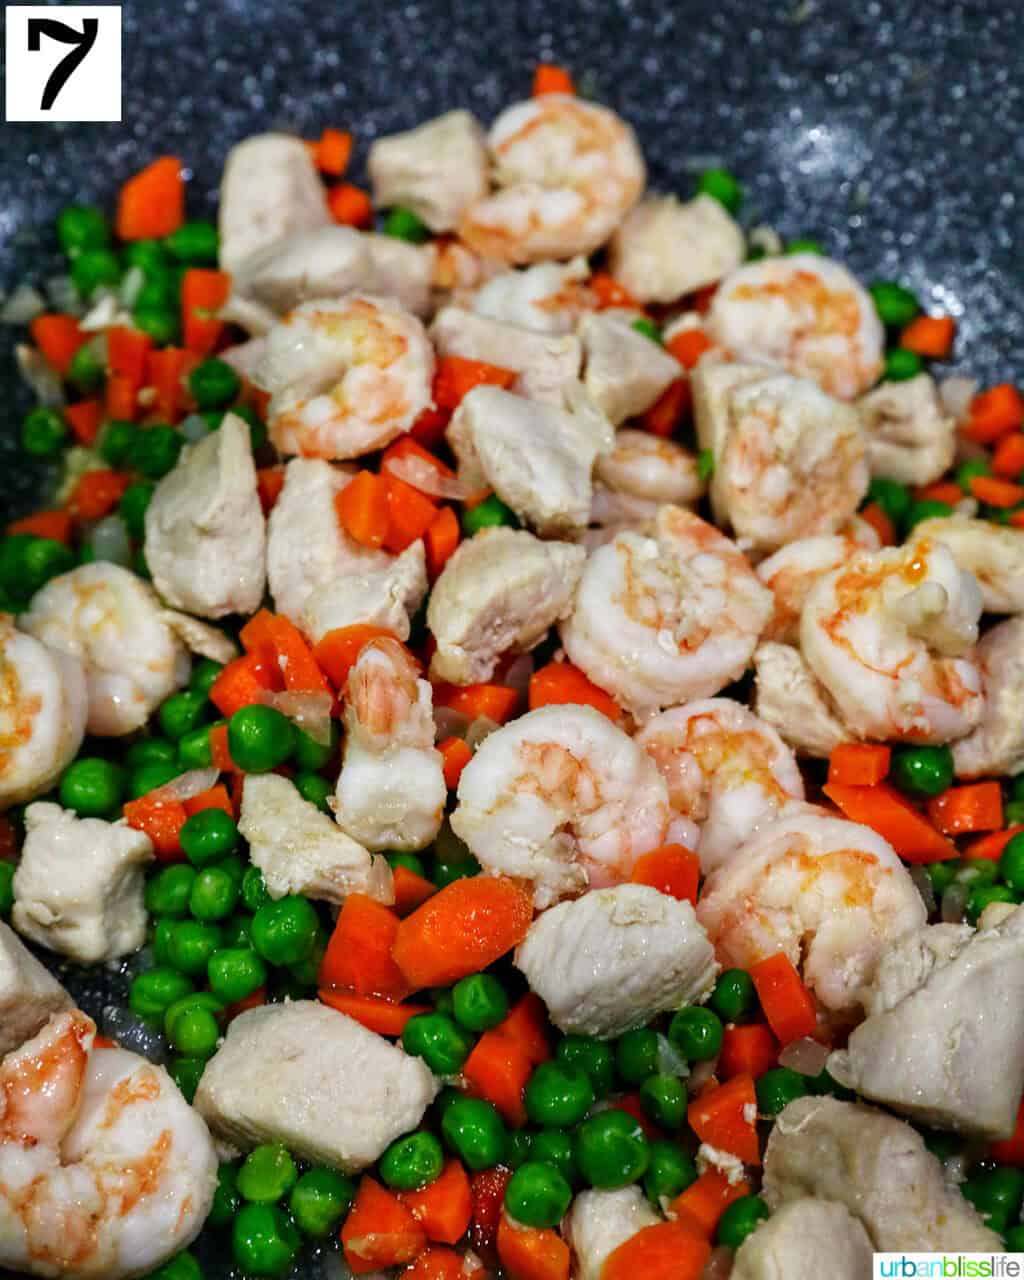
(79, 885)
(200, 637)
(499, 593)
(599, 1221)
(205, 532)
(44, 705)
(993, 553)
(543, 362)
(946, 1047)
(625, 372)
(386, 597)
(299, 849)
(29, 993)
(794, 702)
(793, 1242)
(313, 1079)
(548, 297)
(910, 436)
(402, 271)
(269, 189)
(616, 958)
(996, 746)
(437, 169)
(663, 249)
(879, 1168)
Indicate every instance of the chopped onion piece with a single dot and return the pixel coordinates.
(449, 723)
(24, 304)
(427, 478)
(719, 1264)
(43, 381)
(670, 1061)
(310, 711)
(64, 296)
(131, 287)
(954, 900)
(186, 785)
(956, 395)
(195, 428)
(806, 1056)
(481, 728)
(701, 1074)
(519, 672)
(103, 313)
(766, 238)
(923, 884)
(110, 541)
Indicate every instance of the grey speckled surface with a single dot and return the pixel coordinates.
(890, 131)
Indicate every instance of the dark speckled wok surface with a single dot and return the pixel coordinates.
(892, 132)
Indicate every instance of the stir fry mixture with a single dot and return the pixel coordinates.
(524, 678)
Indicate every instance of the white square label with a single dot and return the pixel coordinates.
(62, 62)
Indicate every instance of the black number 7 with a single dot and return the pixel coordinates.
(82, 40)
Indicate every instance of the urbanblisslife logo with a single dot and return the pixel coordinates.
(947, 1266)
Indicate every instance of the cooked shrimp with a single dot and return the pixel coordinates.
(832, 895)
(345, 377)
(568, 170)
(805, 313)
(113, 623)
(791, 573)
(665, 619)
(43, 709)
(726, 770)
(562, 798)
(105, 1170)
(993, 553)
(887, 636)
(648, 467)
(548, 298)
(391, 791)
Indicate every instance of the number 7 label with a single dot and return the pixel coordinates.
(62, 62)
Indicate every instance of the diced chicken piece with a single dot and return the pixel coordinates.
(269, 189)
(387, 597)
(599, 1221)
(616, 958)
(993, 553)
(29, 993)
(949, 1052)
(313, 1079)
(543, 362)
(996, 746)
(791, 572)
(78, 887)
(437, 170)
(205, 532)
(499, 593)
(625, 371)
(200, 637)
(793, 1242)
(401, 271)
(794, 702)
(299, 849)
(879, 1168)
(548, 297)
(536, 457)
(910, 437)
(663, 248)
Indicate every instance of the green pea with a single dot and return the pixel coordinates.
(13, 571)
(186, 1074)
(518, 1148)
(803, 244)
(670, 1171)
(319, 1200)
(152, 993)
(264, 1240)
(442, 1044)
(116, 441)
(977, 871)
(923, 771)
(441, 998)
(611, 1150)
(444, 872)
(148, 777)
(257, 427)
(149, 751)
(983, 895)
(412, 1162)
(663, 1098)
(215, 893)
(194, 242)
(705, 465)
(254, 891)
(226, 1199)
(1013, 813)
(591, 1055)
(475, 1131)
(896, 306)
(777, 1088)
(82, 226)
(214, 384)
(192, 1028)
(204, 673)
(310, 756)
(636, 1055)
(315, 789)
(967, 471)
(926, 509)
(182, 713)
(479, 1001)
(648, 328)
(7, 870)
(1011, 863)
(893, 497)
(91, 269)
(307, 969)
(403, 224)
(237, 931)
(284, 932)
(93, 787)
(194, 750)
(234, 973)
(556, 1148)
(558, 1095)
(537, 1195)
(155, 451)
(267, 1174)
(900, 364)
(824, 1083)
(45, 559)
(208, 836)
(411, 863)
(191, 944)
(260, 738)
(696, 1033)
(942, 875)
(169, 890)
(181, 1267)
(996, 1194)
(161, 323)
(1013, 1237)
(163, 930)
(149, 255)
(721, 184)
(87, 370)
(739, 1220)
(132, 509)
(43, 432)
(734, 998)
(487, 515)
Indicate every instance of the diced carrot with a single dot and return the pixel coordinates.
(215, 797)
(703, 298)
(161, 820)
(455, 377)
(497, 1070)
(995, 413)
(661, 418)
(350, 205)
(526, 1024)
(750, 1049)
(664, 1251)
(487, 1187)
(441, 540)
(726, 1118)
(884, 810)
(363, 509)
(992, 846)
(374, 1012)
(437, 1263)
(1011, 1150)
(880, 522)
(152, 203)
(55, 525)
(630, 1103)
(688, 345)
(337, 651)
(127, 350)
(609, 292)
(269, 483)
(787, 1004)
(1017, 519)
(203, 292)
(462, 929)
(278, 642)
(97, 493)
(929, 336)
(219, 751)
(333, 152)
(493, 701)
(978, 806)
(531, 1253)
(358, 955)
(164, 372)
(941, 491)
(84, 419)
(242, 683)
(996, 492)
(1008, 458)
(430, 426)
(58, 337)
(122, 398)
(673, 870)
(859, 764)
(411, 890)
(379, 1230)
(708, 1198)
(549, 78)
(456, 755)
(410, 513)
(560, 682)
